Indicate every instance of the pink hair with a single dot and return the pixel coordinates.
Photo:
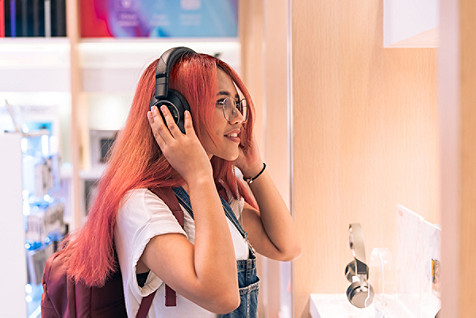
(137, 162)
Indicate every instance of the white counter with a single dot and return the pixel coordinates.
(337, 306)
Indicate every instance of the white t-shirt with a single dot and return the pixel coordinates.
(141, 216)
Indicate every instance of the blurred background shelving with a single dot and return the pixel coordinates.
(82, 86)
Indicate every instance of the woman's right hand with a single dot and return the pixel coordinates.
(184, 266)
(184, 152)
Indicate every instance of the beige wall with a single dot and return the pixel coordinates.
(251, 24)
(263, 32)
(365, 137)
(457, 65)
(468, 158)
(276, 134)
(75, 76)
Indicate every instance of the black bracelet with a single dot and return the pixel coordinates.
(250, 180)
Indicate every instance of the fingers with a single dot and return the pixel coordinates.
(188, 124)
(171, 125)
(159, 129)
(155, 129)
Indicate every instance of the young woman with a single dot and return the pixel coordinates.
(209, 263)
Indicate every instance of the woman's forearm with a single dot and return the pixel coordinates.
(275, 217)
(214, 252)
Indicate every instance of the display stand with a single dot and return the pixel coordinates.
(13, 274)
(32, 226)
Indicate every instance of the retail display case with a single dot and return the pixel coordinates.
(32, 219)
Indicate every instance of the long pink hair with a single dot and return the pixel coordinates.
(137, 162)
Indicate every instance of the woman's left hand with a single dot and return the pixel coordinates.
(269, 224)
(249, 161)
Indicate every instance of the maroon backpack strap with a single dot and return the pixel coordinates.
(145, 305)
(168, 196)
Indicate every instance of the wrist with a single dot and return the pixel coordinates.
(251, 170)
(251, 178)
(200, 180)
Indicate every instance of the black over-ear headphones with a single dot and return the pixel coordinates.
(360, 293)
(175, 102)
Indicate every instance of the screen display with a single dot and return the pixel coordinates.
(159, 18)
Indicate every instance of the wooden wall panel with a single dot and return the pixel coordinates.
(449, 112)
(251, 24)
(276, 149)
(264, 35)
(365, 137)
(72, 27)
(457, 66)
(467, 231)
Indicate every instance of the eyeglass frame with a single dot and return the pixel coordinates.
(235, 103)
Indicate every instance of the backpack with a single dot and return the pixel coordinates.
(64, 297)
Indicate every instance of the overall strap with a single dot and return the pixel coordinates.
(169, 198)
(232, 217)
(184, 199)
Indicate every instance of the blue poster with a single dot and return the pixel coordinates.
(159, 18)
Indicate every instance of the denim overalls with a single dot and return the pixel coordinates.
(247, 280)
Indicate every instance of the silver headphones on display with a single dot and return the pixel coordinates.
(360, 293)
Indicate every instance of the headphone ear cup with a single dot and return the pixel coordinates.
(350, 271)
(181, 106)
(176, 104)
(360, 294)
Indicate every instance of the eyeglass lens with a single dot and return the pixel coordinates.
(231, 106)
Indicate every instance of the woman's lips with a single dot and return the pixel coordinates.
(233, 136)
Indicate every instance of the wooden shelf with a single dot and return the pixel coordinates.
(115, 65)
(34, 64)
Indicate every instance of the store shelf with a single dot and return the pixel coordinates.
(34, 65)
(114, 65)
(411, 24)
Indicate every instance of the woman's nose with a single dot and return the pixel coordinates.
(237, 117)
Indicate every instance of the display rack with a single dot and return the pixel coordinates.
(13, 265)
(32, 221)
(82, 79)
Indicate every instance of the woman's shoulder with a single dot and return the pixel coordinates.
(143, 201)
(133, 197)
(145, 215)
(134, 193)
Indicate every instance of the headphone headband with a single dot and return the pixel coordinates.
(164, 66)
(356, 242)
(360, 293)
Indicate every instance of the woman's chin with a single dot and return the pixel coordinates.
(230, 157)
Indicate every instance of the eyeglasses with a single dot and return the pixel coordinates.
(231, 108)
